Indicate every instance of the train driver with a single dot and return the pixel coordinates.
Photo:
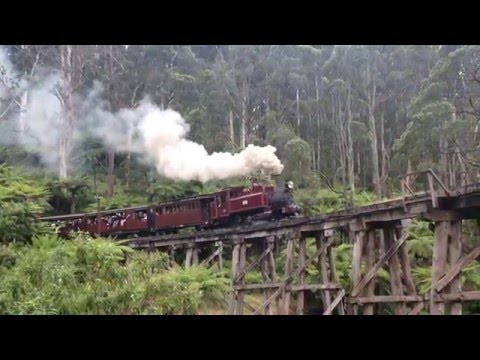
(288, 186)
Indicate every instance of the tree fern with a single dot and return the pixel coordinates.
(420, 241)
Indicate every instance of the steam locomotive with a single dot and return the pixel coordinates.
(232, 206)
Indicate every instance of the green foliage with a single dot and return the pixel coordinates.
(97, 276)
(323, 201)
(21, 201)
(119, 200)
(343, 263)
(253, 277)
(298, 160)
(420, 241)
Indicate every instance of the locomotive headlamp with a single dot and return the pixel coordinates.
(290, 185)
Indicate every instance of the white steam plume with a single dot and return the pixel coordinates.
(163, 134)
(159, 136)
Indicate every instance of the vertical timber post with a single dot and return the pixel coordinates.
(447, 251)
(195, 251)
(455, 251)
(266, 273)
(320, 242)
(286, 293)
(171, 256)
(440, 247)
(241, 268)
(405, 262)
(273, 268)
(394, 270)
(235, 271)
(369, 263)
(357, 263)
(188, 256)
(219, 246)
(301, 263)
(333, 276)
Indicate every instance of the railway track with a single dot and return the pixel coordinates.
(398, 208)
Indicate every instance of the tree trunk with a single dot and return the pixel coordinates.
(243, 126)
(297, 97)
(383, 150)
(409, 171)
(231, 128)
(373, 140)
(63, 160)
(73, 205)
(110, 173)
(319, 149)
(69, 117)
(318, 123)
(111, 153)
(23, 108)
(350, 155)
(359, 164)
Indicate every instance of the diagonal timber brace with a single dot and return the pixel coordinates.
(254, 263)
(211, 257)
(335, 302)
(369, 276)
(291, 277)
(456, 269)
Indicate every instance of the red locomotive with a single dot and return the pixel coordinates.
(228, 207)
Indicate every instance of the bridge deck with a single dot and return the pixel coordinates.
(419, 205)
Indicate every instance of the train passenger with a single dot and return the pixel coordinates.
(151, 218)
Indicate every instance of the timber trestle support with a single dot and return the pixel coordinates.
(355, 262)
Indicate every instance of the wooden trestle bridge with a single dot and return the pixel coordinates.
(379, 236)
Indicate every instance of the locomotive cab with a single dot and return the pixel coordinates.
(282, 203)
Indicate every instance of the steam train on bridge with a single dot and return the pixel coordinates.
(229, 207)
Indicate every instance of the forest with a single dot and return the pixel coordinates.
(345, 121)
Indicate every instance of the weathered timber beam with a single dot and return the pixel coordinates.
(288, 288)
(254, 263)
(462, 202)
(440, 215)
(455, 270)
(416, 309)
(384, 215)
(433, 194)
(290, 278)
(369, 276)
(357, 224)
(335, 302)
(211, 257)
(262, 230)
(248, 306)
(322, 226)
(386, 299)
(144, 243)
(464, 296)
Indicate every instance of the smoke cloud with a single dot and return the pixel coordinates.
(159, 136)
(164, 138)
